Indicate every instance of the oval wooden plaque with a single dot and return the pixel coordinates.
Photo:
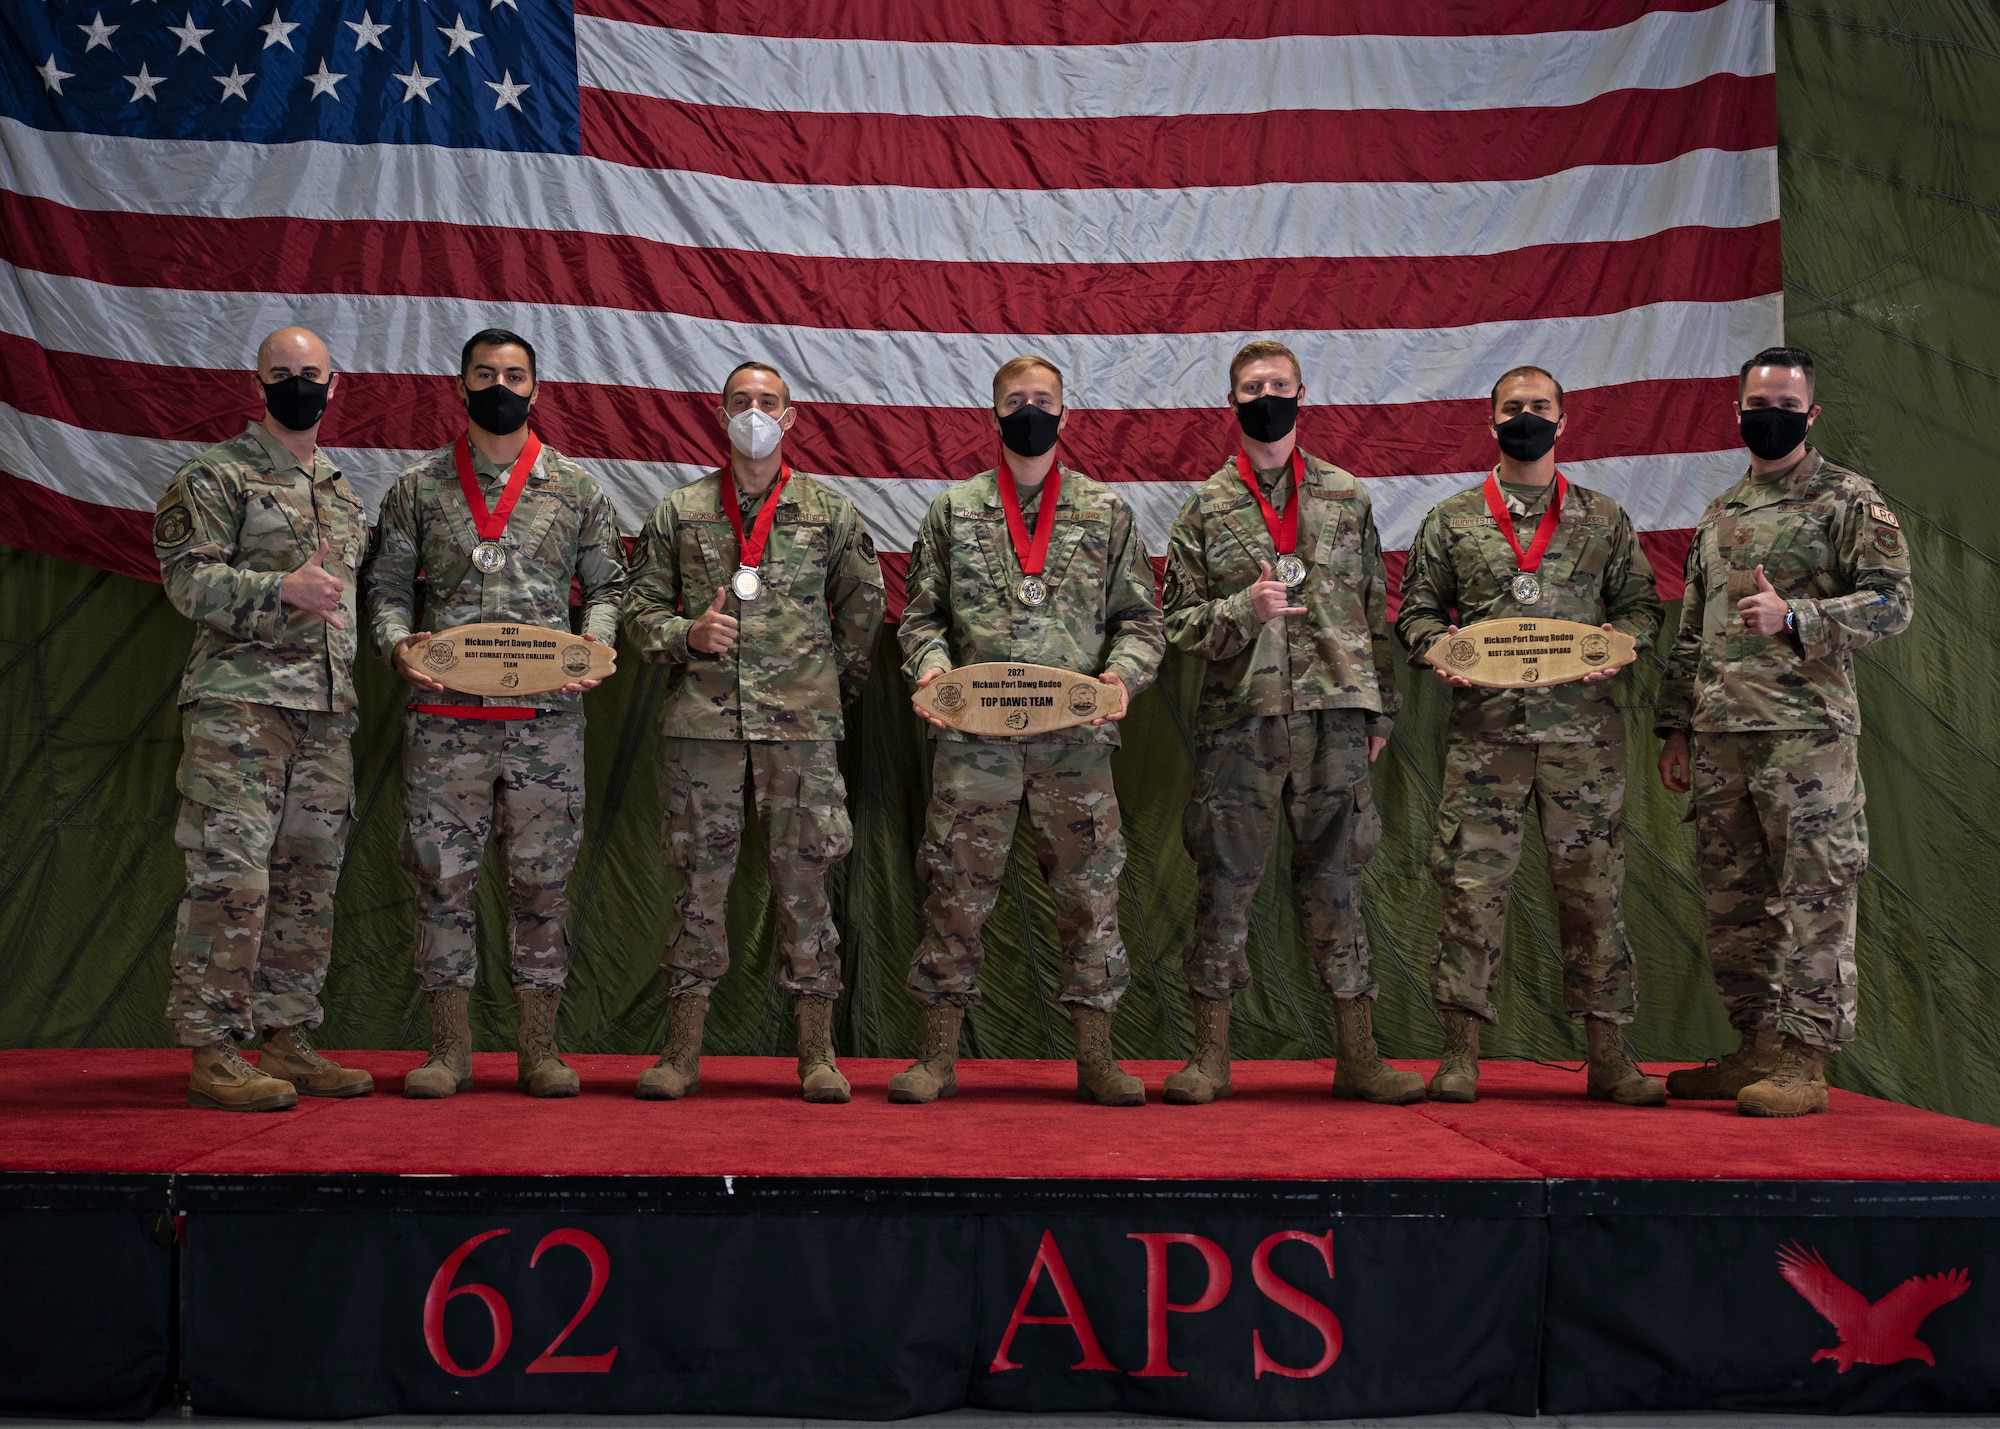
(495, 658)
(1518, 654)
(999, 698)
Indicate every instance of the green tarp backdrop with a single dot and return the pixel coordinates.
(1890, 173)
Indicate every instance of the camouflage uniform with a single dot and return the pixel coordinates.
(458, 772)
(1099, 617)
(1286, 712)
(767, 714)
(1778, 802)
(1563, 746)
(267, 713)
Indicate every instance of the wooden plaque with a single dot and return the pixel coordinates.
(499, 659)
(1518, 653)
(1016, 699)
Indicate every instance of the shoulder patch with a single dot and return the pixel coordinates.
(867, 544)
(1879, 513)
(1888, 540)
(173, 526)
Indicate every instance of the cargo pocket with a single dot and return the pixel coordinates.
(826, 834)
(1364, 824)
(676, 800)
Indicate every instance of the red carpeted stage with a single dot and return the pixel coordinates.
(1281, 1255)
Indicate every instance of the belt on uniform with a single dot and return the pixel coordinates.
(479, 711)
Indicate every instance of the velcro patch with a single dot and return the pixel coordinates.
(173, 527)
(1888, 540)
(1882, 514)
(1464, 523)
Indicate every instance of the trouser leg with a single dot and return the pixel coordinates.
(802, 810)
(701, 809)
(975, 802)
(450, 768)
(1073, 811)
(1814, 809)
(1580, 795)
(1336, 829)
(1478, 846)
(1739, 879)
(540, 795)
(1229, 826)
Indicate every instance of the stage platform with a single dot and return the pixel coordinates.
(1277, 1256)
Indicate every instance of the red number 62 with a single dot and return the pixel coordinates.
(442, 1292)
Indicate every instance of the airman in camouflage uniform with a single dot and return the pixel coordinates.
(1098, 618)
(1560, 746)
(1793, 568)
(258, 539)
(1297, 699)
(755, 699)
(468, 759)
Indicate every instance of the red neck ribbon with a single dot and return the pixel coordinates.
(1031, 556)
(1284, 528)
(490, 524)
(1504, 519)
(750, 548)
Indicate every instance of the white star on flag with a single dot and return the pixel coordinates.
(53, 77)
(496, 4)
(189, 36)
(98, 33)
(416, 84)
(323, 83)
(367, 32)
(460, 37)
(509, 92)
(144, 84)
(233, 83)
(277, 32)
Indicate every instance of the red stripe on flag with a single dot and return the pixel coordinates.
(254, 255)
(111, 538)
(1632, 126)
(1119, 22)
(587, 420)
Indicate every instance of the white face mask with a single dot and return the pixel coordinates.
(756, 434)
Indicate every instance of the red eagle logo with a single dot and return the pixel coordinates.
(1881, 1333)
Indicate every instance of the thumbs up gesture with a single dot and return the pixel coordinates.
(315, 589)
(714, 631)
(1763, 610)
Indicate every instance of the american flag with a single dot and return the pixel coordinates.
(885, 199)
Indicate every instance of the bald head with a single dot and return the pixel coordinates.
(293, 352)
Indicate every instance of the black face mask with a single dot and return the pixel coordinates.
(498, 409)
(1526, 437)
(1266, 418)
(295, 403)
(1029, 431)
(1771, 432)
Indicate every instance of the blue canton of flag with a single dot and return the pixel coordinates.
(489, 74)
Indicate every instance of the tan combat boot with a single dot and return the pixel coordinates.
(448, 1069)
(1099, 1078)
(1795, 1087)
(678, 1072)
(1720, 1081)
(539, 1069)
(935, 1072)
(1457, 1078)
(288, 1055)
(1205, 1078)
(223, 1081)
(1612, 1077)
(1361, 1074)
(819, 1076)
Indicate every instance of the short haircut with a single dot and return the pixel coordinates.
(1796, 358)
(1014, 366)
(756, 367)
(1527, 371)
(494, 337)
(1257, 351)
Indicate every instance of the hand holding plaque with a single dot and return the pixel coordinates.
(1520, 654)
(499, 659)
(1019, 700)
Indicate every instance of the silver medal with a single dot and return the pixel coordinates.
(1032, 591)
(1291, 570)
(489, 556)
(747, 584)
(1527, 589)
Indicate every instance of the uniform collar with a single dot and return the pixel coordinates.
(278, 461)
(1064, 501)
(1755, 490)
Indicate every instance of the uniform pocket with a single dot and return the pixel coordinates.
(825, 830)
(1364, 824)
